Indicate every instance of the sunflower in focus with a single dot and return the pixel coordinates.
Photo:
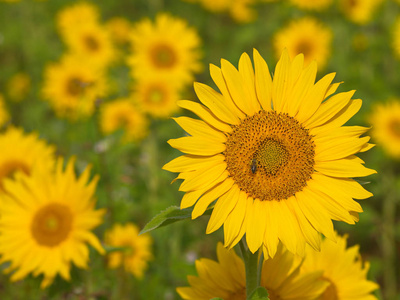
(227, 279)
(385, 121)
(136, 253)
(72, 87)
(317, 5)
(343, 268)
(396, 38)
(123, 114)
(359, 11)
(156, 97)
(23, 153)
(167, 48)
(46, 223)
(18, 86)
(4, 115)
(76, 15)
(307, 36)
(272, 153)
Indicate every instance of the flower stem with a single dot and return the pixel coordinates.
(251, 266)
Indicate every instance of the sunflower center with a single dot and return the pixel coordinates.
(395, 127)
(91, 43)
(163, 56)
(52, 224)
(330, 292)
(9, 168)
(304, 47)
(155, 95)
(270, 156)
(75, 87)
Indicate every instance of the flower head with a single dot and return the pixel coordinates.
(359, 11)
(46, 222)
(312, 5)
(4, 115)
(272, 153)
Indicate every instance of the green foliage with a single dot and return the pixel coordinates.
(259, 294)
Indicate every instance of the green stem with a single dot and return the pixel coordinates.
(251, 266)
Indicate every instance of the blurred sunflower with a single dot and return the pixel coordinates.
(18, 86)
(343, 268)
(359, 11)
(136, 251)
(156, 97)
(307, 36)
(76, 15)
(242, 11)
(317, 5)
(119, 29)
(396, 37)
(123, 114)
(168, 48)
(272, 153)
(20, 152)
(226, 278)
(4, 115)
(72, 87)
(385, 121)
(46, 223)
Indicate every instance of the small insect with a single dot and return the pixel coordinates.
(254, 165)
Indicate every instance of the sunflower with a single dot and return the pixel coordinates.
(119, 29)
(385, 121)
(18, 86)
(272, 153)
(359, 11)
(307, 36)
(20, 152)
(76, 15)
(168, 48)
(317, 5)
(4, 115)
(46, 222)
(156, 97)
(343, 268)
(136, 251)
(72, 87)
(242, 11)
(226, 278)
(122, 114)
(396, 37)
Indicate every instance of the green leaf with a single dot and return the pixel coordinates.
(171, 215)
(259, 294)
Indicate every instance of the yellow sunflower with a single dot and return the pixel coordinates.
(272, 153)
(156, 97)
(242, 11)
(359, 11)
(18, 86)
(4, 115)
(119, 29)
(123, 114)
(385, 121)
(20, 152)
(227, 279)
(343, 268)
(307, 36)
(168, 48)
(136, 251)
(72, 87)
(46, 222)
(76, 15)
(396, 37)
(317, 5)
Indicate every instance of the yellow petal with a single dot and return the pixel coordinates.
(256, 226)
(345, 167)
(263, 81)
(248, 79)
(338, 147)
(204, 178)
(187, 163)
(235, 220)
(199, 128)
(197, 146)
(280, 82)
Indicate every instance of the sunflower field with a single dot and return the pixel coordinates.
(200, 149)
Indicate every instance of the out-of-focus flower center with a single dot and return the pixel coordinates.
(9, 168)
(75, 86)
(51, 224)
(330, 292)
(163, 56)
(155, 94)
(304, 47)
(91, 43)
(394, 127)
(270, 156)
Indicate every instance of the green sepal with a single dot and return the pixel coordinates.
(171, 215)
(259, 293)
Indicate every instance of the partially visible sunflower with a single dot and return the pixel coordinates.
(385, 121)
(156, 97)
(359, 11)
(46, 222)
(20, 152)
(307, 36)
(72, 87)
(4, 115)
(123, 114)
(317, 5)
(167, 48)
(272, 154)
(119, 29)
(76, 15)
(240, 10)
(343, 268)
(136, 253)
(396, 37)
(226, 278)
(18, 86)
